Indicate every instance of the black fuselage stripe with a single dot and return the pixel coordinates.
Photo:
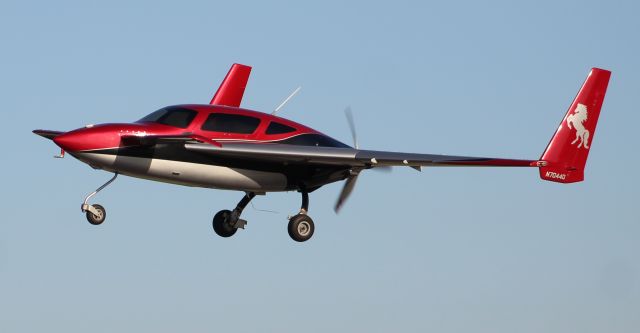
(307, 175)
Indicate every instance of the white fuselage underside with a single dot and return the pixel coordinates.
(188, 174)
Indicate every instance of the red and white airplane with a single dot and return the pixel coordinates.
(223, 146)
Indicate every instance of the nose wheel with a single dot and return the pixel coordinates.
(95, 213)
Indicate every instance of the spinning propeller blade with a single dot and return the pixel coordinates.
(349, 184)
(352, 126)
(354, 135)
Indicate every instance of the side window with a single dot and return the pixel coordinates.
(278, 128)
(230, 123)
(178, 118)
(171, 116)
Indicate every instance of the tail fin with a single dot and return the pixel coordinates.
(232, 87)
(566, 155)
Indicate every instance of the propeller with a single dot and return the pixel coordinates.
(349, 184)
(354, 136)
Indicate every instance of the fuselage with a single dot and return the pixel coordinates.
(106, 147)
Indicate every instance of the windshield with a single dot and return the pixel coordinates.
(172, 116)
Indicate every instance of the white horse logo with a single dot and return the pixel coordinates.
(577, 119)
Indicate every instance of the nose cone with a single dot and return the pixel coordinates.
(89, 138)
(103, 136)
(71, 141)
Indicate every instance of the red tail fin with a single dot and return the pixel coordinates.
(566, 155)
(232, 87)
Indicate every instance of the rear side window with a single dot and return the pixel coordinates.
(230, 123)
(171, 116)
(278, 128)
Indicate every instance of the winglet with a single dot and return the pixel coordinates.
(566, 155)
(232, 87)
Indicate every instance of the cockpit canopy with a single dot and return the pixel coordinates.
(238, 125)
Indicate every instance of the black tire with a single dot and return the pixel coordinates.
(97, 219)
(301, 228)
(220, 225)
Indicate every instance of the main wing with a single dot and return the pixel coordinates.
(350, 157)
(352, 160)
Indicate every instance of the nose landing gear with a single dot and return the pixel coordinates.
(96, 214)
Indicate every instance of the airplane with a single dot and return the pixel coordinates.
(223, 146)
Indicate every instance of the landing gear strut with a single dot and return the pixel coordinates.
(226, 223)
(301, 226)
(96, 214)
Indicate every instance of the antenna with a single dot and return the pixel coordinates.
(286, 100)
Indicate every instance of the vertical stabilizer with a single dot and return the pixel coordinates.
(566, 155)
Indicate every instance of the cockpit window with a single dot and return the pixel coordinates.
(278, 128)
(171, 116)
(230, 123)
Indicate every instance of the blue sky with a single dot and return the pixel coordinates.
(446, 250)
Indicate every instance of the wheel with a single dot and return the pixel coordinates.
(97, 219)
(220, 225)
(301, 227)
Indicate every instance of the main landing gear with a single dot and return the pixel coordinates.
(96, 214)
(301, 226)
(226, 223)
